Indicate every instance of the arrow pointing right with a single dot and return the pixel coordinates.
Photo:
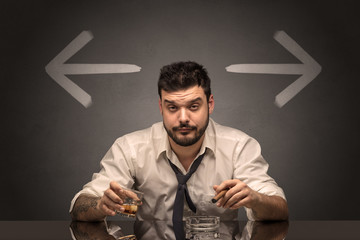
(57, 68)
(309, 69)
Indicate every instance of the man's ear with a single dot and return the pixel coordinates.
(211, 104)
(160, 106)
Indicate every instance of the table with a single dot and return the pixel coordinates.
(162, 230)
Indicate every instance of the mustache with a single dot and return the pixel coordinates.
(184, 125)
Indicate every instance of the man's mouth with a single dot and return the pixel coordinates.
(184, 129)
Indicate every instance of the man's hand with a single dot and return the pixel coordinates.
(90, 208)
(111, 201)
(241, 195)
(238, 195)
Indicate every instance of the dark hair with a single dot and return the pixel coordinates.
(183, 75)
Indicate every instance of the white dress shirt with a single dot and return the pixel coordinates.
(139, 160)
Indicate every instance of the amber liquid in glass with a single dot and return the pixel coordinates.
(130, 209)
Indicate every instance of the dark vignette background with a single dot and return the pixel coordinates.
(51, 144)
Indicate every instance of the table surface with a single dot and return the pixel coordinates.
(162, 230)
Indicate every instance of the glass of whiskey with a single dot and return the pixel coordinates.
(132, 199)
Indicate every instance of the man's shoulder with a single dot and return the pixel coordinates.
(142, 135)
(227, 132)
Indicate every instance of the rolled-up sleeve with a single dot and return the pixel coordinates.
(251, 168)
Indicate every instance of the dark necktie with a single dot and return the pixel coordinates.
(179, 199)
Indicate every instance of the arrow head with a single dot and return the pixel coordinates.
(309, 69)
(57, 69)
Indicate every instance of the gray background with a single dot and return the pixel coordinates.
(51, 144)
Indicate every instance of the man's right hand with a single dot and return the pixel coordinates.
(91, 208)
(111, 201)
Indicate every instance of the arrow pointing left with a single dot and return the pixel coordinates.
(57, 69)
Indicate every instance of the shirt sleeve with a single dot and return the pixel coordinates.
(251, 168)
(116, 165)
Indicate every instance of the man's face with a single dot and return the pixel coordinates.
(186, 114)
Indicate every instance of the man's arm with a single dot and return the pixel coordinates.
(91, 208)
(91, 230)
(86, 209)
(270, 208)
(241, 195)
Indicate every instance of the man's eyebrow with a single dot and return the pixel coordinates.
(168, 101)
(196, 99)
(191, 101)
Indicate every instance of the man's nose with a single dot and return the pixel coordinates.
(184, 116)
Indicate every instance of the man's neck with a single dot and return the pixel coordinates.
(186, 155)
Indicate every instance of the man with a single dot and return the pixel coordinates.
(151, 160)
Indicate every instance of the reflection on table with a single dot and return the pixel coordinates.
(117, 229)
(152, 230)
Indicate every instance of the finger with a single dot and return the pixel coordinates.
(225, 198)
(225, 201)
(131, 194)
(225, 185)
(106, 209)
(115, 186)
(110, 194)
(242, 203)
(221, 202)
(242, 198)
(238, 192)
(112, 205)
(235, 199)
(117, 189)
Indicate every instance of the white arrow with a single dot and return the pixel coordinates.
(309, 69)
(57, 68)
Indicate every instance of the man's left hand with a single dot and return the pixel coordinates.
(238, 195)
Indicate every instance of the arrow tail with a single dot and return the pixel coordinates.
(290, 69)
(99, 68)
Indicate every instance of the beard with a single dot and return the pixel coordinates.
(187, 141)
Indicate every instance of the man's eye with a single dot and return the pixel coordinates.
(172, 108)
(194, 107)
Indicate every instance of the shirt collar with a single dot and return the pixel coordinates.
(208, 143)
